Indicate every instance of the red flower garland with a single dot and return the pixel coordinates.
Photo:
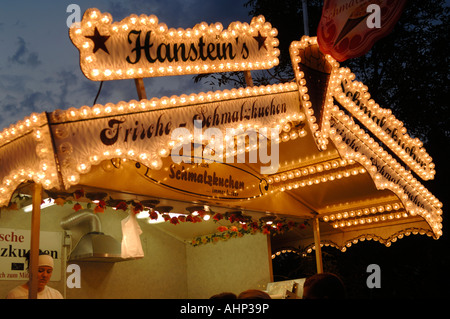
(245, 224)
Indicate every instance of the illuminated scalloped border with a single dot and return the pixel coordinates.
(385, 241)
(46, 174)
(93, 18)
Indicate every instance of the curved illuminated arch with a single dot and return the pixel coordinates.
(360, 238)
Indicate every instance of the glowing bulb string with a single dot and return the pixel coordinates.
(431, 216)
(372, 133)
(405, 180)
(355, 98)
(330, 165)
(369, 236)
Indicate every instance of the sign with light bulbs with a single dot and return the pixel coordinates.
(147, 131)
(324, 102)
(354, 97)
(141, 46)
(326, 89)
(210, 180)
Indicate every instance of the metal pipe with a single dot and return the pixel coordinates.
(316, 229)
(82, 216)
(305, 17)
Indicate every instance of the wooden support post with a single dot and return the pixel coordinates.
(269, 252)
(248, 78)
(140, 89)
(34, 244)
(316, 229)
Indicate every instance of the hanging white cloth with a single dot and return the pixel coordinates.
(131, 241)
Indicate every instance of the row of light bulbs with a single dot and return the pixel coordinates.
(93, 16)
(386, 158)
(369, 219)
(110, 74)
(83, 168)
(385, 241)
(122, 107)
(47, 173)
(363, 211)
(432, 215)
(309, 170)
(28, 124)
(334, 176)
(320, 133)
(287, 131)
(344, 73)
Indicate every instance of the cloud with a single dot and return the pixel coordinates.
(23, 56)
(36, 102)
(14, 109)
(67, 80)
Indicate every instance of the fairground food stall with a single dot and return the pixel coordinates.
(178, 197)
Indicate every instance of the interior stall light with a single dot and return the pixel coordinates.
(46, 203)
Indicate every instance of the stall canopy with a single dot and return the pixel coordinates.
(318, 148)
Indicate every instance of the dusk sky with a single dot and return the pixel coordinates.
(39, 65)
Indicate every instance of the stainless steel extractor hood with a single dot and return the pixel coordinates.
(94, 245)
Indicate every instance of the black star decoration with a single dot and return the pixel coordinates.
(99, 40)
(261, 40)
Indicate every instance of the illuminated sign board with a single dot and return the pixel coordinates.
(323, 85)
(354, 97)
(211, 180)
(141, 46)
(148, 130)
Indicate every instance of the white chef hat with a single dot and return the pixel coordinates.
(45, 260)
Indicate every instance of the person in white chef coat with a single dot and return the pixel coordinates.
(45, 270)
